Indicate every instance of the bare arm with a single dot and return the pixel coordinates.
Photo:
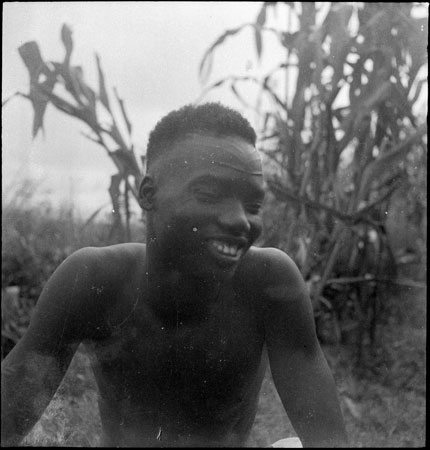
(300, 371)
(33, 370)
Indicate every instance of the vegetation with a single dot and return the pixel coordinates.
(63, 86)
(36, 239)
(341, 138)
(383, 403)
(345, 157)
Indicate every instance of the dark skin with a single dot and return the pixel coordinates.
(177, 329)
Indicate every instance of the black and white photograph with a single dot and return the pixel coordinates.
(214, 224)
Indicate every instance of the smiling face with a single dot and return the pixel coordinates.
(204, 196)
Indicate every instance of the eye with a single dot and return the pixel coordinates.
(253, 208)
(206, 195)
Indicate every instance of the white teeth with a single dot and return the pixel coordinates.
(230, 250)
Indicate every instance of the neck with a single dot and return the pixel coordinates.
(173, 291)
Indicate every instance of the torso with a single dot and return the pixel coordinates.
(169, 381)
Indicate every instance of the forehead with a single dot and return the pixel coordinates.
(206, 152)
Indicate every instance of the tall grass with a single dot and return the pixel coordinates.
(383, 399)
(36, 239)
(341, 135)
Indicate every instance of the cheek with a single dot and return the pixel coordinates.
(177, 221)
(256, 226)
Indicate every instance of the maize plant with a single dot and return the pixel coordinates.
(86, 104)
(337, 136)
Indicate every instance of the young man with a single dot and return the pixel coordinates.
(177, 327)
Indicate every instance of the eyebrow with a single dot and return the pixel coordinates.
(240, 170)
(221, 181)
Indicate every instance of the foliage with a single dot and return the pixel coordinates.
(72, 418)
(382, 408)
(338, 143)
(334, 169)
(36, 239)
(383, 402)
(77, 99)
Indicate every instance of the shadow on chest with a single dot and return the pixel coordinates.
(215, 356)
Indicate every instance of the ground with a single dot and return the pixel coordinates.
(383, 401)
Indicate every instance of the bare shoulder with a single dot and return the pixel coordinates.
(271, 256)
(288, 313)
(111, 262)
(127, 250)
(275, 273)
(94, 275)
(79, 292)
(113, 252)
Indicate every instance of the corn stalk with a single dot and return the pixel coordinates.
(85, 104)
(337, 144)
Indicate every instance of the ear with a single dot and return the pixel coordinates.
(146, 193)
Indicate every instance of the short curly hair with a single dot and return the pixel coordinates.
(213, 118)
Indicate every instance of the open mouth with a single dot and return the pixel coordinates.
(227, 251)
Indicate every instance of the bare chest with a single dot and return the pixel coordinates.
(211, 361)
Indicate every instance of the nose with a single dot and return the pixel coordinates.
(233, 217)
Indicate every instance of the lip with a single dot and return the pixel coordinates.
(227, 250)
